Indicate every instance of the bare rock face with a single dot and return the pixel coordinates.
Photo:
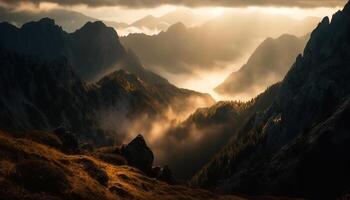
(138, 154)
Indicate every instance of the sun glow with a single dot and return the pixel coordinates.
(218, 12)
(213, 12)
(293, 12)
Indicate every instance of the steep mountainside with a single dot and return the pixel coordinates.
(40, 94)
(206, 131)
(297, 146)
(267, 65)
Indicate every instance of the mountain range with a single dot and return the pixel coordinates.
(50, 66)
(102, 52)
(176, 50)
(71, 20)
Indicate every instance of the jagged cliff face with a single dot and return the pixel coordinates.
(294, 148)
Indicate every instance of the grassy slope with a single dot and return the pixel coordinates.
(30, 170)
(32, 167)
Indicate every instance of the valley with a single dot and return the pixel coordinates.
(215, 105)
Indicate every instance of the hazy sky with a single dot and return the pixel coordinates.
(129, 10)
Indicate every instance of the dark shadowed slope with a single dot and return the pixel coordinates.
(298, 146)
(268, 64)
(40, 94)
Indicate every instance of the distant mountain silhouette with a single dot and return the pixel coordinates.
(268, 64)
(68, 19)
(162, 23)
(151, 22)
(93, 50)
(188, 50)
(296, 147)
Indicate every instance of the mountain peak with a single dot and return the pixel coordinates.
(47, 20)
(96, 24)
(44, 22)
(346, 8)
(325, 20)
(138, 140)
(93, 28)
(149, 17)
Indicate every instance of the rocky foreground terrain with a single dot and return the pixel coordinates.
(53, 165)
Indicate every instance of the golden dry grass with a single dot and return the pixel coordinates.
(123, 182)
(86, 177)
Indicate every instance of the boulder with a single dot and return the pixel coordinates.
(138, 154)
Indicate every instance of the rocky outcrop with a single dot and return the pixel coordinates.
(138, 154)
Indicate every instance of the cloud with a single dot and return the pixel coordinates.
(189, 3)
